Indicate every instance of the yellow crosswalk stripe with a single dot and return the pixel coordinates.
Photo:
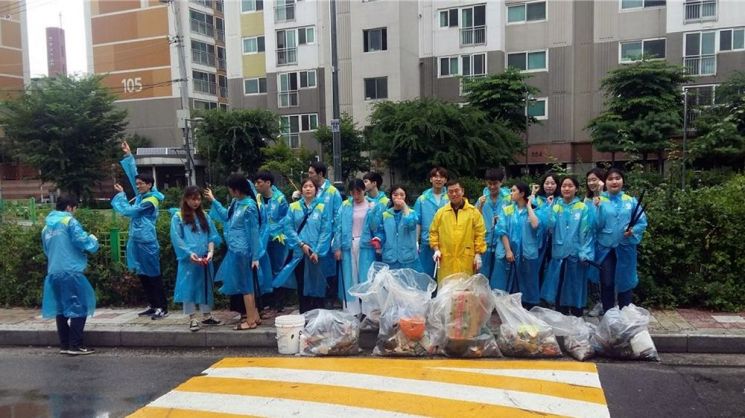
(155, 412)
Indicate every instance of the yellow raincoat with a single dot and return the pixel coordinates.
(459, 238)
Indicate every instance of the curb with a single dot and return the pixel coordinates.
(179, 336)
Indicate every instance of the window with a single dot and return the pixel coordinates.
(221, 58)
(284, 11)
(376, 88)
(201, 23)
(449, 18)
(473, 25)
(638, 4)
(202, 53)
(306, 36)
(308, 122)
(537, 108)
(253, 45)
(204, 82)
(307, 79)
(648, 48)
(292, 125)
(473, 65)
(732, 39)
(222, 82)
(527, 12)
(287, 47)
(700, 95)
(254, 85)
(252, 5)
(699, 50)
(220, 29)
(528, 61)
(697, 10)
(202, 105)
(287, 86)
(375, 39)
(449, 67)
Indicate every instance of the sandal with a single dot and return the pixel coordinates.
(194, 325)
(248, 326)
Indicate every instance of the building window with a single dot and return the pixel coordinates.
(308, 122)
(201, 23)
(220, 29)
(204, 82)
(252, 5)
(205, 3)
(222, 83)
(254, 85)
(473, 25)
(292, 125)
(287, 47)
(219, 6)
(202, 53)
(538, 109)
(306, 36)
(284, 11)
(449, 67)
(699, 50)
(253, 45)
(376, 88)
(647, 48)
(528, 61)
(375, 39)
(638, 4)
(307, 79)
(223, 107)
(449, 18)
(221, 58)
(202, 105)
(732, 39)
(698, 10)
(287, 90)
(526, 12)
(473, 65)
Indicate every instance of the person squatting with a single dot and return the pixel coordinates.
(544, 240)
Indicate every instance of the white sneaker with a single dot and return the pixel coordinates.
(159, 314)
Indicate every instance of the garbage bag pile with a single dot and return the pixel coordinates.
(575, 332)
(624, 334)
(372, 293)
(522, 334)
(330, 333)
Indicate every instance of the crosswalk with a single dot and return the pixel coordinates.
(385, 387)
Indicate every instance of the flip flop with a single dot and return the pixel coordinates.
(240, 326)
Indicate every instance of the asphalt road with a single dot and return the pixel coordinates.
(38, 382)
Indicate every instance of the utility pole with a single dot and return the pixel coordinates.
(685, 140)
(335, 122)
(527, 125)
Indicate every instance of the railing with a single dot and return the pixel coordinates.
(203, 57)
(203, 28)
(284, 13)
(288, 99)
(204, 86)
(205, 3)
(701, 10)
(701, 65)
(160, 151)
(473, 36)
(287, 56)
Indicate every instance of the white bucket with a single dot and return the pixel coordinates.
(288, 333)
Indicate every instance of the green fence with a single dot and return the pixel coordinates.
(25, 211)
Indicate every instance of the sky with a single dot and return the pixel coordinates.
(41, 14)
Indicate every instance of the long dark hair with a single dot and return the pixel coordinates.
(542, 191)
(188, 214)
(599, 173)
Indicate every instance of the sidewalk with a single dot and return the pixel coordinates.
(673, 331)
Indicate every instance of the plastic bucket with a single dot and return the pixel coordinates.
(288, 333)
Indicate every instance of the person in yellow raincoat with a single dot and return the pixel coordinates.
(457, 235)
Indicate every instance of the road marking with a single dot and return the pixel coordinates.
(559, 376)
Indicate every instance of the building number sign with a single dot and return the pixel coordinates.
(132, 85)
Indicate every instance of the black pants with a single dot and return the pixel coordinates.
(70, 335)
(306, 303)
(608, 284)
(154, 291)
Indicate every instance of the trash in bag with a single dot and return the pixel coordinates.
(624, 334)
(459, 316)
(522, 334)
(576, 333)
(372, 293)
(408, 295)
(330, 333)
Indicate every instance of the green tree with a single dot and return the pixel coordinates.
(291, 164)
(353, 144)
(232, 140)
(642, 109)
(412, 136)
(66, 127)
(502, 97)
(720, 128)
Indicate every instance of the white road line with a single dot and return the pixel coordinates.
(263, 406)
(560, 376)
(502, 397)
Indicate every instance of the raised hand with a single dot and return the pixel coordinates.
(208, 194)
(118, 187)
(125, 148)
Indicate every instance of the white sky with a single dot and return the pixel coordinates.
(41, 14)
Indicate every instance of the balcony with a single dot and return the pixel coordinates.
(288, 99)
(203, 57)
(701, 65)
(221, 35)
(287, 56)
(204, 86)
(700, 10)
(221, 64)
(473, 36)
(205, 3)
(284, 13)
(202, 28)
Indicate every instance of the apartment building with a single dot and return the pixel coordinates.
(14, 60)
(56, 52)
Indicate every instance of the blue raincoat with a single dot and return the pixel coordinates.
(331, 199)
(612, 218)
(241, 229)
(343, 241)
(143, 250)
(592, 274)
(380, 199)
(425, 207)
(522, 275)
(193, 282)
(490, 211)
(572, 243)
(317, 234)
(398, 236)
(276, 209)
(67, 291)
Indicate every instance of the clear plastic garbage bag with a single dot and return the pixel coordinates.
(577, 334)
(330, 333)
(372, 293)
(521, 333)
(624, 334)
